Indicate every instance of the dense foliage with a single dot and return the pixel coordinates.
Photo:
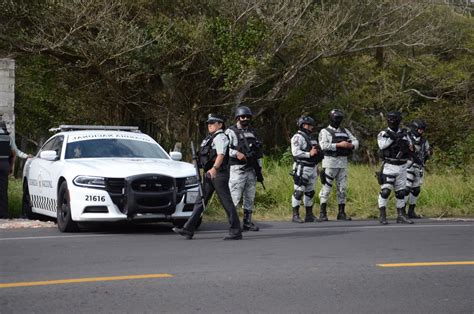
(163, 65)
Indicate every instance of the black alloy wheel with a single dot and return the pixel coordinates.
(63, 211)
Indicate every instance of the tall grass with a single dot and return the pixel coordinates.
(443, 194)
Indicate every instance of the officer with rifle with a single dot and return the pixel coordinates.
(7, 159)
(337, 143)
(395, 150)
(306, 154)
(421, 153)
(214, 159)
(245, 153)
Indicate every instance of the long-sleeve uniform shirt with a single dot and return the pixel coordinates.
(325, 141)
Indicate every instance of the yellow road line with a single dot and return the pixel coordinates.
(78, 280)
(427, 264)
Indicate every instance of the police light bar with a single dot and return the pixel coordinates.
(63, 128)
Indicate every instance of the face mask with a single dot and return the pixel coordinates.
(394, 125)
(244, 123)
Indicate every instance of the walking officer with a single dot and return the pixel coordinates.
(306, 154)
(395, 146)
(421, 153)
(214, 159)
(7, 159)
(245, 153)
(337, 143)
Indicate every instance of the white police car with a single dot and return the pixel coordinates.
(104, 173)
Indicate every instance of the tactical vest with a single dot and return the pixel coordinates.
(310, 142)
(247, 144)
(338, 137)
(397, 152)
(208, 155)
(420, 149)
(5, 147)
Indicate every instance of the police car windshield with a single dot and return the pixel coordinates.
(115, 148)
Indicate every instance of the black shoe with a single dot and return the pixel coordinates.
(402, 218)
(237, 236)
(296, 215)
(323, 215)
(343, 216)
(311, 219)
(411, 212)
(383, 216)
(250, 227)
(185, 233)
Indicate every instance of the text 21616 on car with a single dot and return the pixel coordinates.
(105, 173)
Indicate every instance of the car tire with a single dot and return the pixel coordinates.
(63, 211)
(26, 204)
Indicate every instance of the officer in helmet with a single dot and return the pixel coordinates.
(395, 150)
(214, 159)
(337, 143)
(421, 153)
(245, 153)
(7, 160)
(306, 154)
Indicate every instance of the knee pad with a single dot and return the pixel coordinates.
(310, 194)
(385, 193)
(415, 191)
(298, 195)
(407, 191)
(400, 194)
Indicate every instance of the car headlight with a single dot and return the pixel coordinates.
(191, 181)
(90, 182)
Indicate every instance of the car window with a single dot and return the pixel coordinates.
(48, 145)
(112, 147)
(58, 145)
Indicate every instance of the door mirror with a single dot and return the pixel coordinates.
(177, 156)
(50, 155)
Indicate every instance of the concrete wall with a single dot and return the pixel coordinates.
(7, 93)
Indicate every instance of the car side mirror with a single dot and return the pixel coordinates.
(50, 155)
(177, 156)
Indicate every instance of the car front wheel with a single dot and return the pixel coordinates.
(65, 222)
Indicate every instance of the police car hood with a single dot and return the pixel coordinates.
(125, 167)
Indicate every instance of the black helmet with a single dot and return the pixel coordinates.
(336, 116)
(417, 124)
(394, 118)
(213, 117)
(305, 120)
(243, 111)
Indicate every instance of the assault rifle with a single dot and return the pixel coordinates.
(198, 174)
(252, 161)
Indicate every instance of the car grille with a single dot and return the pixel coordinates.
(148, 193)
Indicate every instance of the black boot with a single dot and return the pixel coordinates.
(296, 215)
(323, 215)
(309, 215)
(411, 212)
(342, 214)
(248, 224)
(383, 216)
(402, 218)
(184, 232)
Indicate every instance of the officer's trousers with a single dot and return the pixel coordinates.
(414, 180)
(395, 179)
(243, 182)
(340, 176)
(4, 169)
(308, 176)
(220, 184)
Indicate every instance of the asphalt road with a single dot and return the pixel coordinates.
(285, 268)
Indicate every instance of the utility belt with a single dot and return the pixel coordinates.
(297, 172)
(396, 162)
(306, 163)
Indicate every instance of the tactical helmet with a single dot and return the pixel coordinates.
(305, 120)
(213, 117)
(243, 111)
(417, 124)
(394, 118)
(336, 116)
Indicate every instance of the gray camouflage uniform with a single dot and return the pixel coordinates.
(308, 173)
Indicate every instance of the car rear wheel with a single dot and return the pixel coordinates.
(65, 222)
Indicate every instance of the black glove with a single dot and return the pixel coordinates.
(395, 136)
